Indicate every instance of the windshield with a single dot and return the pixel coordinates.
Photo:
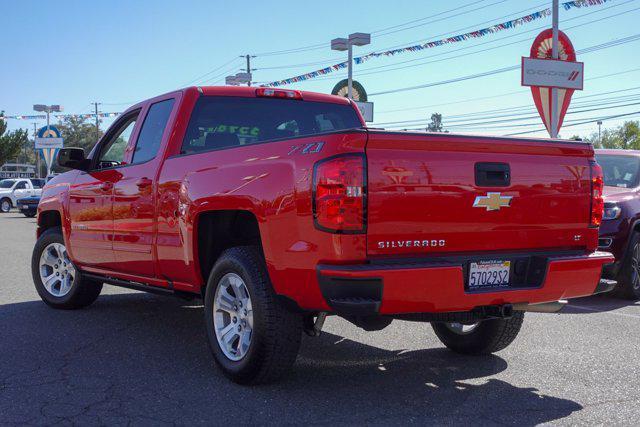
(619, 171)
(7, 183)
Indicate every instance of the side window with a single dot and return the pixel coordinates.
(152, 129)
(37, 183)
(112, 152)
(21, 185)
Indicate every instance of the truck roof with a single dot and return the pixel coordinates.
(250, 92)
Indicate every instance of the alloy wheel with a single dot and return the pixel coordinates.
(233, 316)
(635, 267)
(5, 206)
(57, 272)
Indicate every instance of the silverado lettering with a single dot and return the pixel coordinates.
(192, 194)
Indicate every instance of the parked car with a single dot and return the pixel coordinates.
(28, 206)
(279, 207)
(620, 229)
(17, 188)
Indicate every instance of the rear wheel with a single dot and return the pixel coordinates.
(57, 281)
(5, 205)
(485, 337)
(629, 276)
(253, 337)
(29, 214)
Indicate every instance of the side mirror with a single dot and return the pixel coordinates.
(73, 158)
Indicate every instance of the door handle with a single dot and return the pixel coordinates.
(493, 174)
(144, 182)
(106, 186)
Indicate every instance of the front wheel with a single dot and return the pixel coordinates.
(57, 280)
(253, 337)
(485, 337)
(629, 276)
(5, 205)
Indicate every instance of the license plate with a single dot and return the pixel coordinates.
(488, 274)
(25, 206)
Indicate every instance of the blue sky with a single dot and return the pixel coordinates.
(119, 52)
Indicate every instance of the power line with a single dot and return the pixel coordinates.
(368, 71)
(428, 60)
(497, 123)
(590, 49)
(380, 32)
(515, 116)
(211, 71)
(482, 98)
(590, 120)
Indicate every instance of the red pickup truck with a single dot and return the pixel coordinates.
(278, 207)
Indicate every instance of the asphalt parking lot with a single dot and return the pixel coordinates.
(133, 358)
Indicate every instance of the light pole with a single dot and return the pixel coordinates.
(41, 108)
(341, 44)
(599, 137)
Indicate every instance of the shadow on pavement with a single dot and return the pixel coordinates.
(137, 358)
(597, 304)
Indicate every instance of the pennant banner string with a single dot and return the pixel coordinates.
(58, 116)
(508, 25)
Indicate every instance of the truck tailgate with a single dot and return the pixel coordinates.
(445, 194)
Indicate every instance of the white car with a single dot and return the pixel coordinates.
(13, 189)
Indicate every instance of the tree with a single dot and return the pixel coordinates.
(10, 142)
(436, 123)
(78, 133)
(626, 137)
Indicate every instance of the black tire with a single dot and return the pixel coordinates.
(82, 293)
(489, 336)
(30, 214)
(5, 205)
(629, 275)
(277, 332)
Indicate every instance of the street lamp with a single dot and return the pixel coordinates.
(599, 138)
(41, 108)
(341, 44)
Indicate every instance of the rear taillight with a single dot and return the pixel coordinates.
(339, 199)
(597, 201)
(268, 92)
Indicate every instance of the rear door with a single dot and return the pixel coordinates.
(441, 194)
(134, 215)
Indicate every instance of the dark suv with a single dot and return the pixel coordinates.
(620, 229)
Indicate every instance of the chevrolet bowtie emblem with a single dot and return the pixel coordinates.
(492, 201)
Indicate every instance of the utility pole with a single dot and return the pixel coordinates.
(95, 104)
(249, 69)
(554, 53)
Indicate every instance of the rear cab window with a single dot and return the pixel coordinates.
(219, 122)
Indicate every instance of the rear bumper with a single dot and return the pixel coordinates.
(436, 288)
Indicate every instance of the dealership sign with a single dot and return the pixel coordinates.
(552, 73)
(544, 74)
(49, 141)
